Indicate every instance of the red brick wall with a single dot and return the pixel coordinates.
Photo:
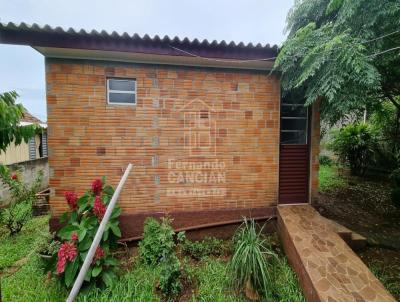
(88, 138)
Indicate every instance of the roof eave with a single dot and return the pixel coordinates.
(146, 58)
(49, 38)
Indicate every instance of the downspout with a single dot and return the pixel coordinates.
(99, 234)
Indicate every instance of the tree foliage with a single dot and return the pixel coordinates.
(338, 51)
(10, 116)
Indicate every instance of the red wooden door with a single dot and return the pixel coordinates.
(293, 174)
(294, 152)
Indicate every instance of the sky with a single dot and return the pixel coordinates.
(22, 68)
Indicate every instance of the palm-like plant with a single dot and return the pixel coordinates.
(249, 266)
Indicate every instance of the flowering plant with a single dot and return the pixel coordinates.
(81, 223)
(17, 210)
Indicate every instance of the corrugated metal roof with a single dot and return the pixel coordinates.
(126, 36)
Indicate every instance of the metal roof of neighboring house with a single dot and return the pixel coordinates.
(55, 41)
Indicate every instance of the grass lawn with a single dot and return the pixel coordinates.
(329, 178)
(23, 278)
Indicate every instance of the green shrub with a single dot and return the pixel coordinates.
(325, 160)
(354, 144)
(16, 216)
(209, 246)
(81, 224)
(157, 247)
(249, 265)
(170, 274)
(19, 210)
(158, 240)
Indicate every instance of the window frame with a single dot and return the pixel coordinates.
(305, 131)
(121, 91)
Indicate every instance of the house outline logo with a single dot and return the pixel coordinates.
(200, 128)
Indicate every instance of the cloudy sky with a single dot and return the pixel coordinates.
(22, 68)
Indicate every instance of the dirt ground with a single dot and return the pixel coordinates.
(364, 206)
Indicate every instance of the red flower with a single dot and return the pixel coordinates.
(99, 208)
(66, 253)
(96, 186)
(74, 237)
(14, 176)
(98, 254)
(71, 199)
(61, 265)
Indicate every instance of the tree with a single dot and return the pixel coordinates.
(344, 52)
(10, 116)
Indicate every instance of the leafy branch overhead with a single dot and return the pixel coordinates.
(10, 116)
(335, 52)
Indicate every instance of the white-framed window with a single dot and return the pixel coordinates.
(121, 91)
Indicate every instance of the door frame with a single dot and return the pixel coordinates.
(309, 160)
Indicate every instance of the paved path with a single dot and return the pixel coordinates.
(327, 267)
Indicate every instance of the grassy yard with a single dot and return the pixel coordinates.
(329, 178)
(23, 277)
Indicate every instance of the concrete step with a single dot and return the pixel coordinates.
(353, 239)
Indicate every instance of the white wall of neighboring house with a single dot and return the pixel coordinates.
(20, 153)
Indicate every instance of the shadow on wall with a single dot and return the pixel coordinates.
(29, 170)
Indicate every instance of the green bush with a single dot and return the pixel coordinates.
(325, 160)
(170, 274)
(19, 210)
(249, 265)
(209, 246)
(354, 144)
(158, 240)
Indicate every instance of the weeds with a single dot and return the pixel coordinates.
(210, 246)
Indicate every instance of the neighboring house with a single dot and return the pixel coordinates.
(35, 148)
(28, 157)
(202, 123)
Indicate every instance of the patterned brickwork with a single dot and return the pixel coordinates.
(88, 138)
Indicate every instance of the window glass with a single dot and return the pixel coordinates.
(294, 119)
(293, 110)
(121, 91)
(121, 85)
(294, 124)
(293, 137)
(125, 98)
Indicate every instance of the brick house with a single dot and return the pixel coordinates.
(202, 122)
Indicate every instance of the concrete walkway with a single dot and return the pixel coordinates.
(327, 267)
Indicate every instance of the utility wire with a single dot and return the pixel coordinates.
(273, 58)
(384, 51)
